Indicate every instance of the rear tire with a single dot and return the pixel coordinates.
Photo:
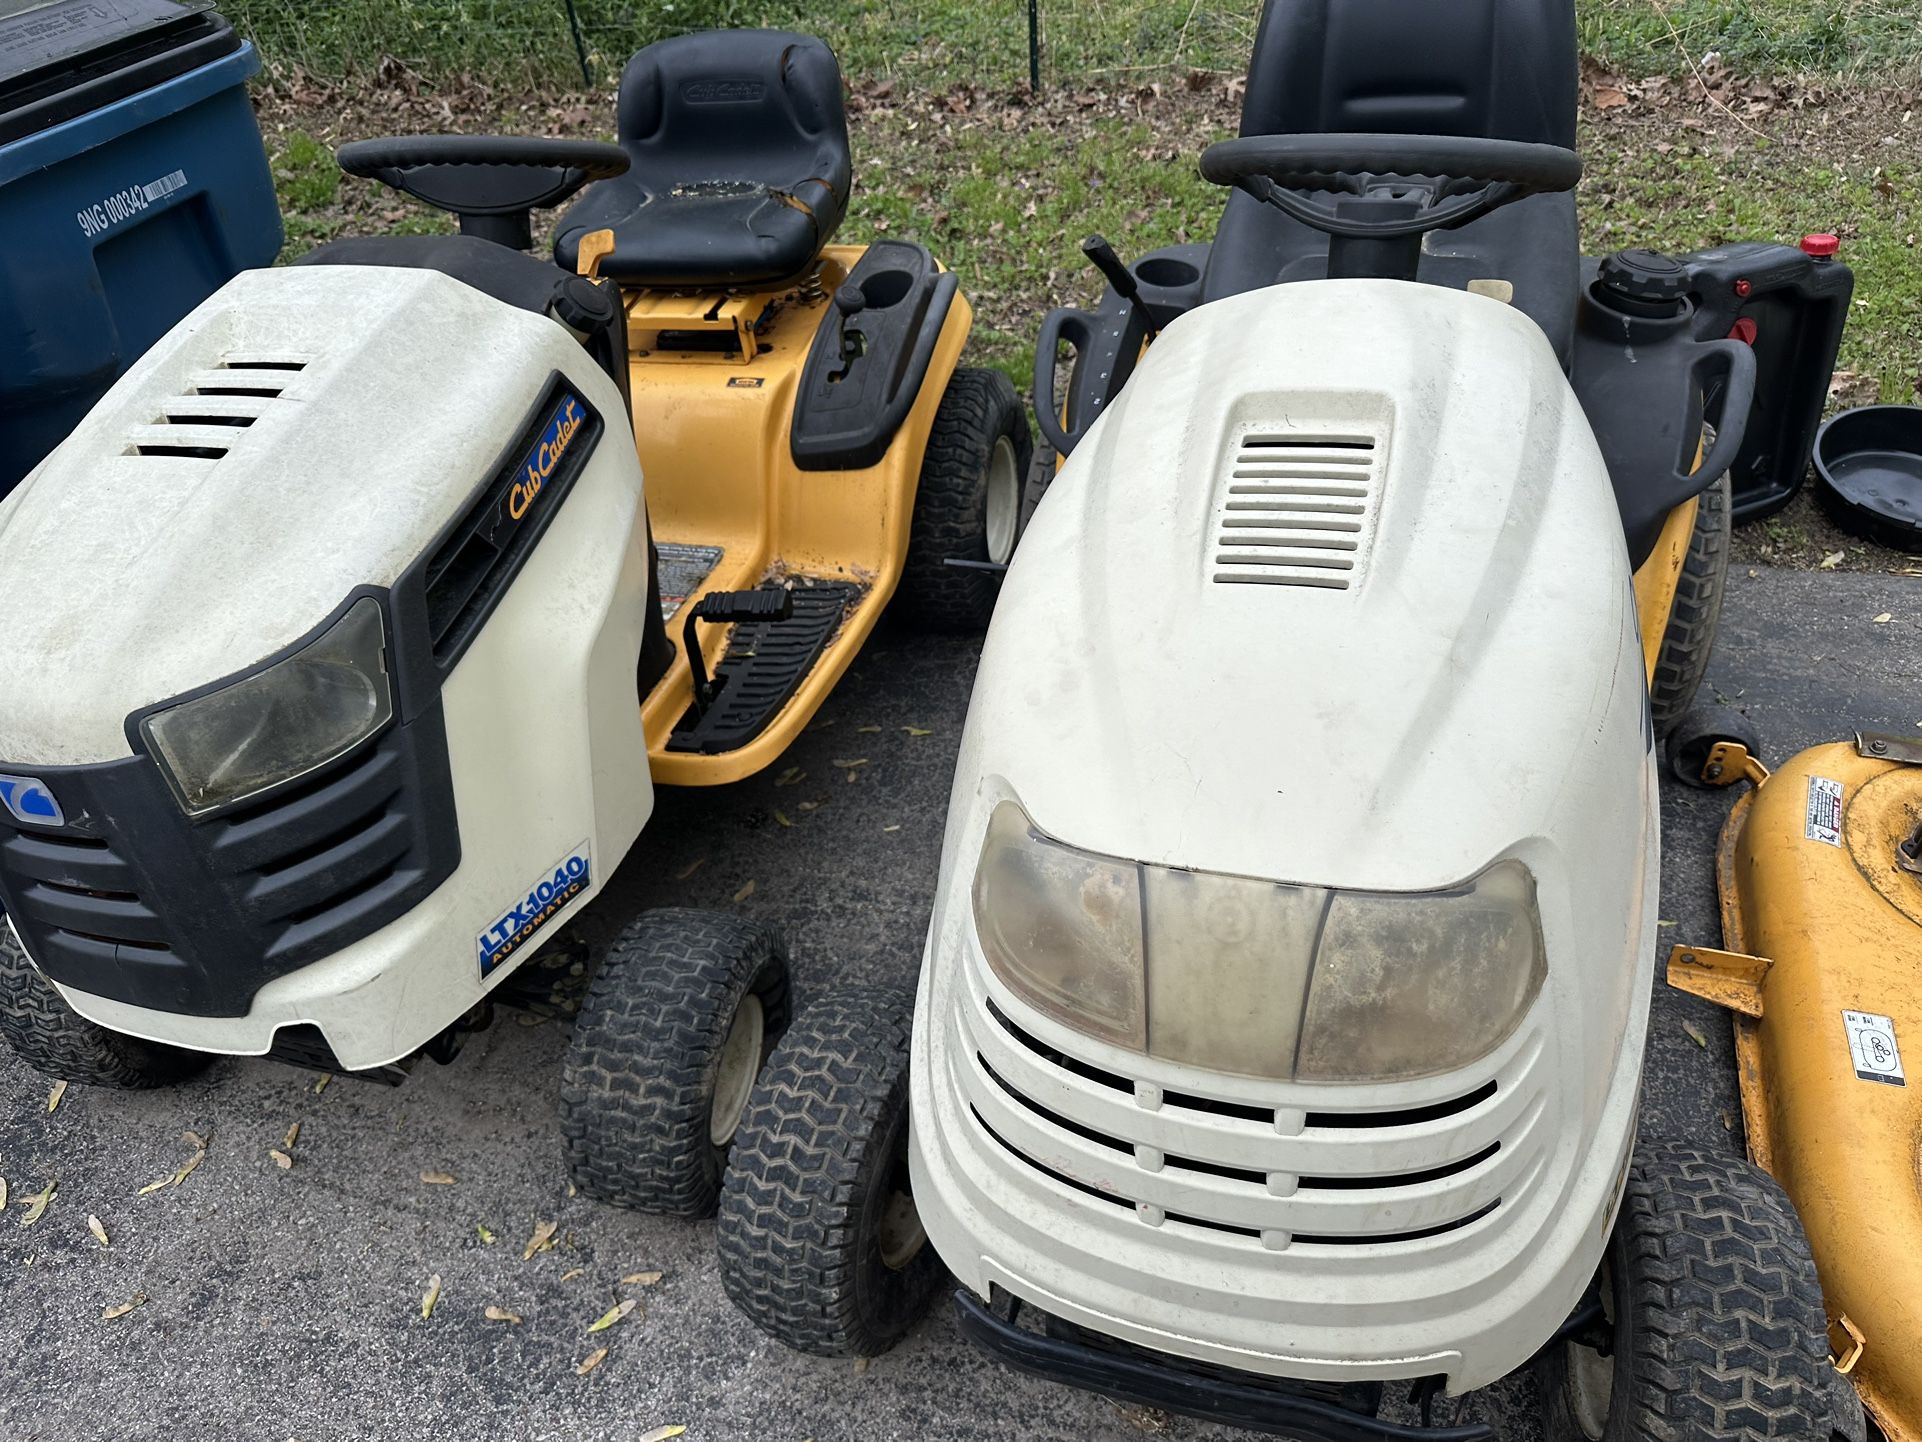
(1689, 637)
(819, 1242)
(674, 1028)
(51, 1037)
(968, 504)
(1715, 1316)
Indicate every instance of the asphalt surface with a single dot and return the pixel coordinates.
(287, 1303)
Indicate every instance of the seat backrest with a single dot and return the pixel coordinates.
(1500, 68)
(733, 106)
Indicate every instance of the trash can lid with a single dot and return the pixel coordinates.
(62, 58)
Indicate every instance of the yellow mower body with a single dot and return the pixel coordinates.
(1821, 900)
(711, 427)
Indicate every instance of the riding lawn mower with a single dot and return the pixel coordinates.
(1278, 1044)
(344, 649)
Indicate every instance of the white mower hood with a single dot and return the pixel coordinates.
(353, 411)
(1387, 683)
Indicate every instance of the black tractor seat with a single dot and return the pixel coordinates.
(741, 167)
(1499, 68)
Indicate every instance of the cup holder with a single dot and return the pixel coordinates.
(886, 287)
(1165, 272)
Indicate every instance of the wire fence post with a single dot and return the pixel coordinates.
(1034, 48)
(580, 45)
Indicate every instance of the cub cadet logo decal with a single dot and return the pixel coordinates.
(30, 802)
(540, 462)
(546, 899)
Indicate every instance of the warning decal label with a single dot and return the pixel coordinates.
(1825, 810)
(1872, 1047)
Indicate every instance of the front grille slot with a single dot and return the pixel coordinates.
(1278, 1175)
(1296, 510)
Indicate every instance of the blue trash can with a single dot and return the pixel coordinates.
(133, 184)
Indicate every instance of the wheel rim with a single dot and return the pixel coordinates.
(899, 1230)
(1004, 501)
(1591, 1376)
(740, 1064)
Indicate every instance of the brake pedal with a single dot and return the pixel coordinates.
(721, 608)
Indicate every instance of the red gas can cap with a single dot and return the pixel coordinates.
(1821, 245)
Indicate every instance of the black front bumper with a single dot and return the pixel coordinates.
(1239, 1399)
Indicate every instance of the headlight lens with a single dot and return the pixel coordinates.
(1284, 982)
(280, 723)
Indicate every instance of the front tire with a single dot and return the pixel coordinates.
(968, 504)
(1714, 1316)
(675, 1025)
(819, 1241)
(1689, 637)
(51, 1037)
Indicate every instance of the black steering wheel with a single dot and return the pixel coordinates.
(1388, 187)
(492, 182)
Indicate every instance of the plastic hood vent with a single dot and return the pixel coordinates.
(202, 425)
(1298, 508)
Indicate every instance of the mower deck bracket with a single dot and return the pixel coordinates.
(1728, 978)
(1729, 762)
(1907, 750)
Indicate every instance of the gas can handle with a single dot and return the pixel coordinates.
(1739, 394)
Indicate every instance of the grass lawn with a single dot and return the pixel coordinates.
(938, 41)
(950, 150)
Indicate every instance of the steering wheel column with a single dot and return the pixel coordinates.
(493, 183)
(1376, 196)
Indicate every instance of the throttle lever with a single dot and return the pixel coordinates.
(1101, 255)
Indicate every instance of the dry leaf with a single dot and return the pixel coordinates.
(1607, 97)
(611, 1316)
(281, 1159)
(781, 819)
(862, 731)
(115, 1313)
(321, 1085)
(501, 1314)
(293, 1135)
(3, 1194)
(1884, 618)
(486, 1236)
(860, 1366)
(640, 1279)
(592, 1360)
(661, 1434)
(1728, 1120)
(99, 1232)
(38, 1203)
(745, 892)
(542, 1239)
(917, 731)
(690, 869)
(194, 1140)
(577, 1272)
(891, 828)
(1833, 559)
(438, 1179)
(53, 1097)
(852, 762)
(428, 1301)
(191, 1165)
(1695, 1034)
(790, 776)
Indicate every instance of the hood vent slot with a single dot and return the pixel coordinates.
(1298, 510)
(200, 425)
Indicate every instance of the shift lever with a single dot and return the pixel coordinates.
(1101, 255)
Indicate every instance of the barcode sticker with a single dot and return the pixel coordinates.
(165, 186)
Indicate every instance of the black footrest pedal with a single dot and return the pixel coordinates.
(778, 635)
(770, 603)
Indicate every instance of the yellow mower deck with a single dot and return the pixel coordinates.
(712, 429)
(1823, 922)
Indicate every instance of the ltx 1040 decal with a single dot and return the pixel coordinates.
(546, 899)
